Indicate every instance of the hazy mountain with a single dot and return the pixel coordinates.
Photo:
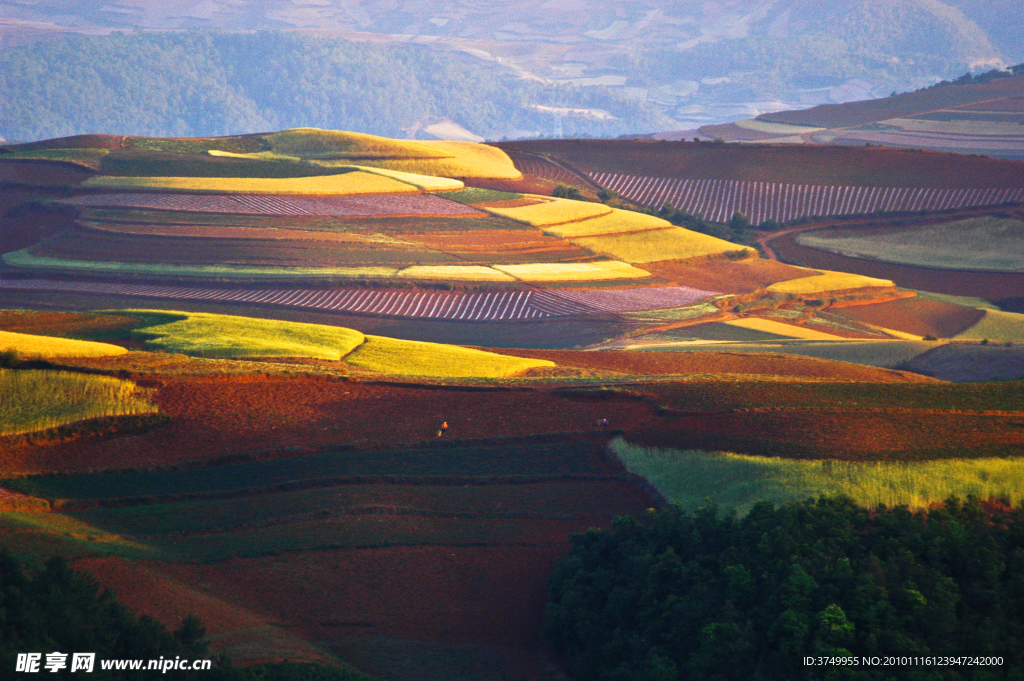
(633, 66)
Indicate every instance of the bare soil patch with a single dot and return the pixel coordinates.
(745, 276)
(917, 315)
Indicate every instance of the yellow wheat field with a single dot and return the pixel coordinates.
(616, 222)
(353, 183)
(416, 358)
(674, 243)
(781, 329)
(550, 212)
(28, 345)
(575, 271)
(827, 281)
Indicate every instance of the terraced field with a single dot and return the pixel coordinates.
(717, 200)
(390, 205)
(477, 306)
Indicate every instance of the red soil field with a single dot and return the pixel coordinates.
(23, 225)
(41, 173)
(235, 630)
(916, 315)
(992, 286)
(745, 276)
(540, 167)
(75, 324)
(766, 364)
(796, 164)
(859, 113)
(488, 241)
(486, 595)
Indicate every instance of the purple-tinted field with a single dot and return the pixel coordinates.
(250, 204)
(717, 200)
(472, 306)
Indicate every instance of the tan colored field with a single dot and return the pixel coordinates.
(551, 212)
(917, 315)
(345, 184)
(584, 271)
(415, 358)
(27, 345)
(454, 273)
(996, 325)
(674, 243)
(782, 329)
(225, 232)
(616, 222)
(827, 282)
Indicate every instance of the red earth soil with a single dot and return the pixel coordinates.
(766, 364)
(62, 323)
(992, 286)
(745, 276)
(798, 164)
(235, 630)
(42, 173)
(220, 232)
(22, 225)
(916, 315)
(74, 142)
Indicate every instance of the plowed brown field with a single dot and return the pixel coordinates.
(744, 276)
(917, 315)
(797, 164)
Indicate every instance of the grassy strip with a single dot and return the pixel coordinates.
(215, 335)
(689, 478)
(90, 158)
(878, 353)
(454, 273)
(344, 184)
(28, 345)
(415, 358)
(674, 243)
(39, 400)
(1006, 326)
(828, 281)
(42, 535)
(471, 195)
(25, 258)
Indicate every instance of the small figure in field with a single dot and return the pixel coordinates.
(604, 423)
(443, 429)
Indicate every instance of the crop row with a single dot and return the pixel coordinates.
(475, 306)
(290, 206)
(717, 200)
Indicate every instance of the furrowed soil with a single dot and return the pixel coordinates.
(745, 276)
(796, 164)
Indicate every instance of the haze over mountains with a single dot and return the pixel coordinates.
(550, 67)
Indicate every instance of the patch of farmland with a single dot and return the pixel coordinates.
(688, 478)
(381, 205)
(995, 324)
(917, 315)
(986, 243)
(350, 183)
(674, 243)
(717, 200)
(37, 400)
(416, 358)
(30, 345)
(470, 306)
(549, 212)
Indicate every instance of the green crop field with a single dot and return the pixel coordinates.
(985, 243)
(212, 335)
(415, 358)
(689, 478)
(38, 400)
(41, 535)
